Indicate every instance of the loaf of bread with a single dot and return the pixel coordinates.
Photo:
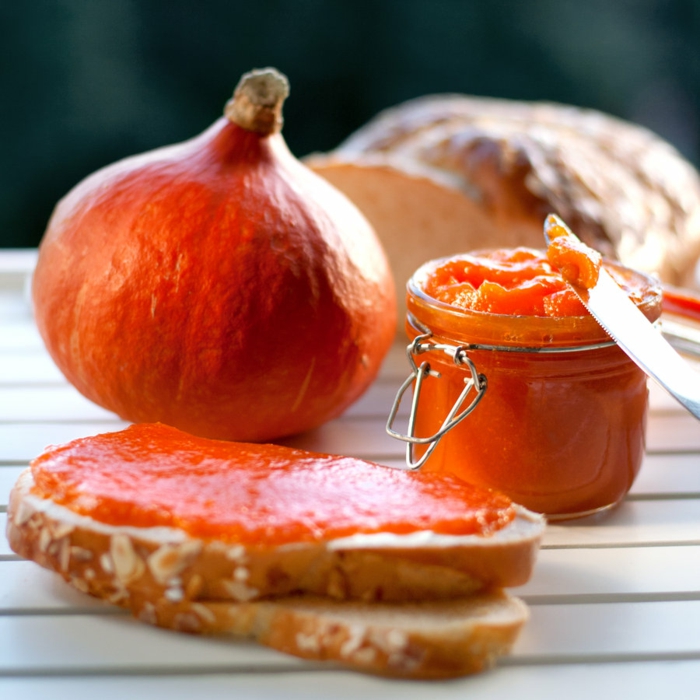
(445, 174)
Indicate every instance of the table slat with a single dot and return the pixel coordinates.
(29, 369)
(19, 335)
(26, 587)
(648, 573)
(596, 631)
(21, 442)
(633, 523)
(59, 643)
(650, 679)
(49, 403)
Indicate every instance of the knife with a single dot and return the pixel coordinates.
(636, 335)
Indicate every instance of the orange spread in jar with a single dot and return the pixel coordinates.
(560, 428)
(152, 475)
(525, 281)
(515, 282)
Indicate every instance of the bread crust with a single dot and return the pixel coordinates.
(502, 166)
(426, 640)
(163, 564)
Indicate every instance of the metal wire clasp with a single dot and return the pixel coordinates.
(475, 382)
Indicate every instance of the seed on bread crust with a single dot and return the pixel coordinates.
(307, 642)
(170, 560)
(355, 640)
(106, 563)
(119, 595)
(80, 553)
(60, 530)
(80, 584)
(236, 553)
(174, 594)
(187, 622)
(240, 573)
(45, 539)
(148, 613)
(204, 612)
(128, 566)
(364, 656)
(22, 514)
(238, 590)
(64, 554)
(194, 587)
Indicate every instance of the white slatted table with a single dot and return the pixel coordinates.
(615, 602)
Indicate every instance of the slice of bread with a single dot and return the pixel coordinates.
(416, 605)
(425, 640)
(158, 563)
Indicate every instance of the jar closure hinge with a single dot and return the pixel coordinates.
(474, 383)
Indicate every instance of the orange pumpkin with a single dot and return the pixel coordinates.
(216, 285)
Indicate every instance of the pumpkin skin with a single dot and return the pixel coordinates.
(218, 286)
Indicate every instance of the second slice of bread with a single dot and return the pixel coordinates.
(426, 640)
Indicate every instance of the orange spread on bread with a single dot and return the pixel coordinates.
(152, 475)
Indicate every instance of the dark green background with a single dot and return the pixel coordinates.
(85, 82)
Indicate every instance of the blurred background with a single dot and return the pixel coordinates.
(86, 82)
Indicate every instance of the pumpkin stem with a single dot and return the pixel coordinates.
(256, 104)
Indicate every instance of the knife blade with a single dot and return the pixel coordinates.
(639, 338)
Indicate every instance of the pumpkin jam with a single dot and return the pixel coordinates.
(152, 475)
(561, 426)
(524, 281)
(577, 263)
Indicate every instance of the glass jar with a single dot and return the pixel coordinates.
(547, 410)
